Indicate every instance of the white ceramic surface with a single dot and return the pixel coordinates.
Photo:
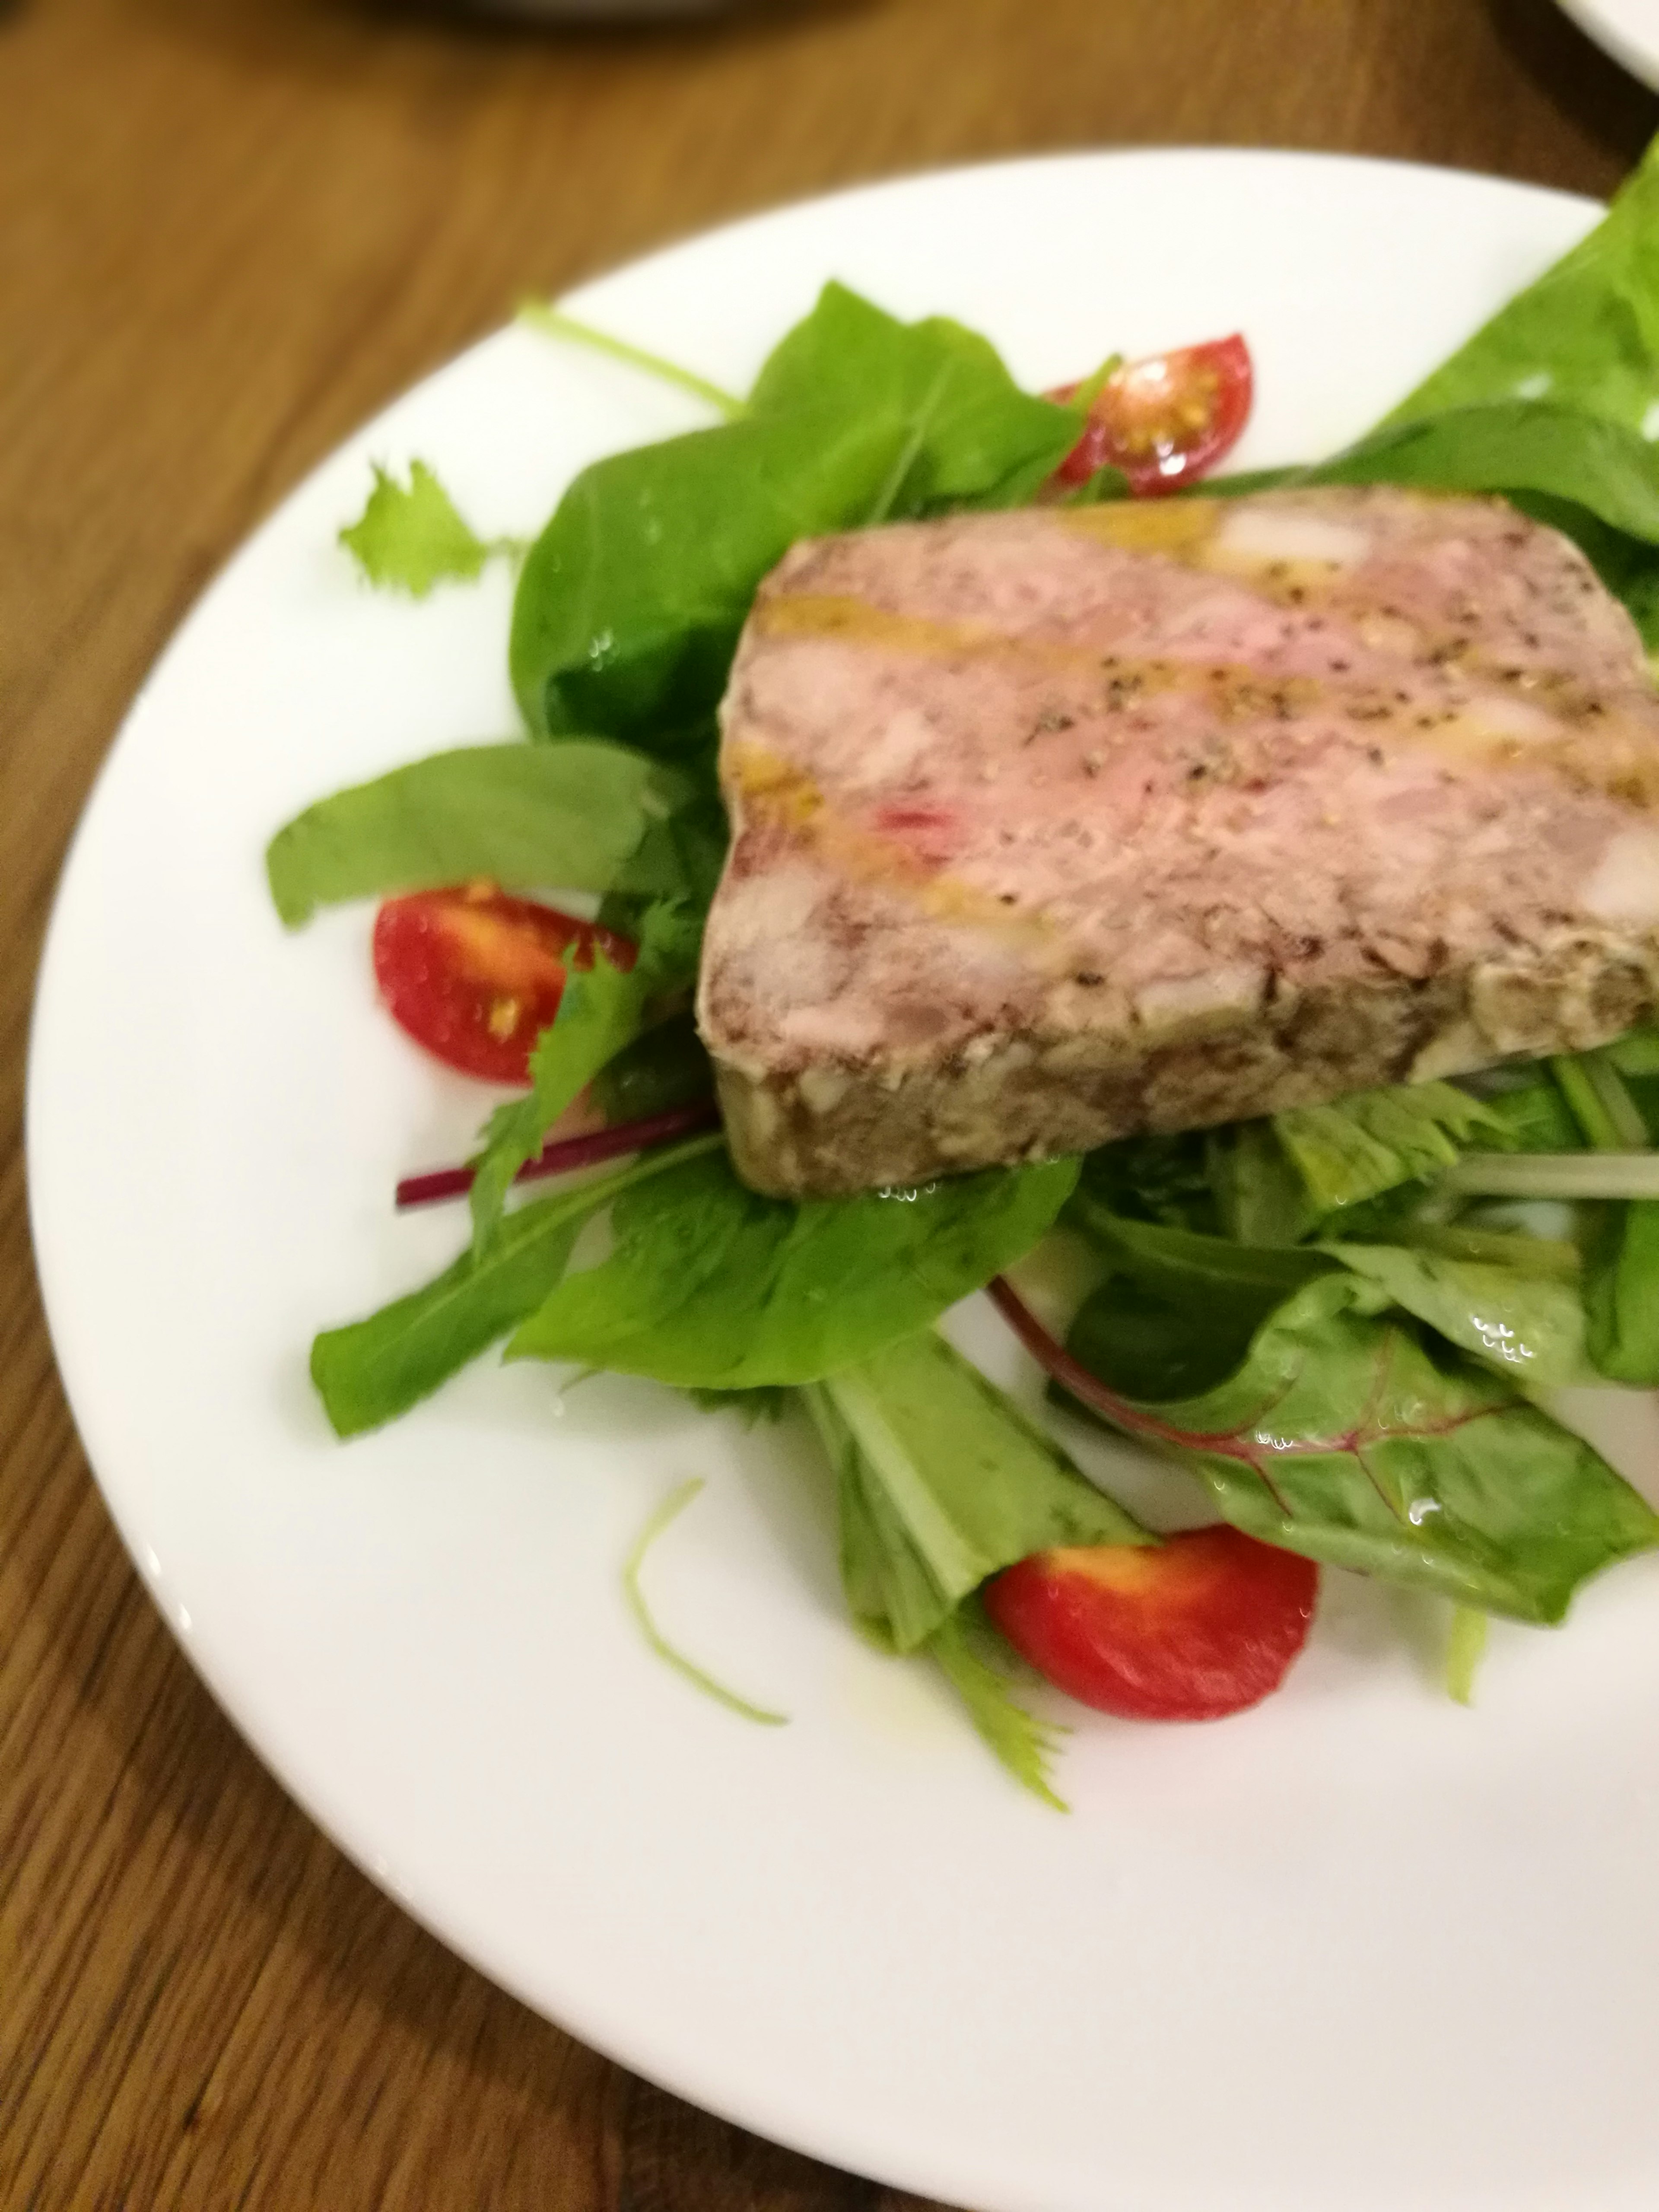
(1358, 1949)
(1627, 29)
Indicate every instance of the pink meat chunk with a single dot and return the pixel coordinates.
(1053, 826)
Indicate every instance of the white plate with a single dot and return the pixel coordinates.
(1627, 29)
(1357, 1949)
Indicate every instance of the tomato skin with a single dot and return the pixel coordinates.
(474, 975)
(1203, 1624)
(1166, 419)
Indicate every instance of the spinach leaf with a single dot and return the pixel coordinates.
(1586, 333)
(604, 1007)
(711, 1286)
(578, 816)
(1514, 446)
(1154, 1178)
(1354, 1437)
(665, 1065)
(1629, 568)
(630, 604)
(1536, 1116)
(1261, 1199)
(371, 1371)
(631, 600)
(1357, 1147)
(971, 434)
(1175, 1312)
(1528, 1325)
(1621, 1294)
(409, 540)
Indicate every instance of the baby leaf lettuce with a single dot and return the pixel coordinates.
(1586, 333)
(603, 1008)
(1155, 1178)
(369, 1371)
(971, 436)
(1621, 1293)
(942, 1483)
(582, 816)
(629, 603)
(1527, 1324)
(1350, 1434)
(1024, 1742)
(1260, 1198)
(1182, 1309)
(410, 539)
(1357, 1147)
(711, 1286)
(631, 600)
(1516, 446)
(664, 1066)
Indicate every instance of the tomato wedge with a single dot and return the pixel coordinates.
(1166, 419)
(1201, 1625)
(474, 975)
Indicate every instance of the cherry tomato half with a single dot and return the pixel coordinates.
(1203, 1623)
(1166, 419)
(474, 975)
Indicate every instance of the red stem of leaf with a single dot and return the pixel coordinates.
(1071, 1375)
(571, 1153)
(1247, 1442)
(1122, 1413)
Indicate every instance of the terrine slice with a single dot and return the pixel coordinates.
(1056, 825)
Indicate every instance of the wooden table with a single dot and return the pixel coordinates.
(229, 230)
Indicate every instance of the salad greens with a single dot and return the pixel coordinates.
(1585, 334)
(1374, 1141)
(942, 1482)
(371, 1371)
(603, 1008)
(669, 1511)
(631, 599)
(1349, 1434)
(410, 539)
(585, 816)
(1340, 1321)
(711, 1286)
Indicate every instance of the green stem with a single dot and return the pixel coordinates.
(1083, 399)
(1553, 1174)
(1600, 1105)
(1464, 1649)
(554, 322)
(1496, 1248)
(670, 1510)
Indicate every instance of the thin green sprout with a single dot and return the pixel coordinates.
(1600, 1105)
(554, 322)
(670, 1510)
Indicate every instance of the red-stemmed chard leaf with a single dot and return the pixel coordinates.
(1353, 1435)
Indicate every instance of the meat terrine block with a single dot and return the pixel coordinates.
(1057, 825)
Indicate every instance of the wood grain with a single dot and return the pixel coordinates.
(228, 229)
